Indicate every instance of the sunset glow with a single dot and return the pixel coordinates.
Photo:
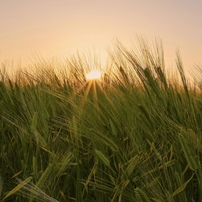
(61, 29)
(94, 74)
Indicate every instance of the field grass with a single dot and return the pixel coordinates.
(134, 135)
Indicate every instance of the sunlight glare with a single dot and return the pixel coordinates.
(93, 74)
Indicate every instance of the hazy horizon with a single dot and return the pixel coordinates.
(61, 28)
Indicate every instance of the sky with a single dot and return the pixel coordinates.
(61, 28)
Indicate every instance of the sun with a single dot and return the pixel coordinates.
(94, 74)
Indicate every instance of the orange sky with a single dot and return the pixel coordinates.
(60, 28)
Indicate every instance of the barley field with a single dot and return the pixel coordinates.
(135, 134)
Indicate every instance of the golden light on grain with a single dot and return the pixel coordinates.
(94, 74)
